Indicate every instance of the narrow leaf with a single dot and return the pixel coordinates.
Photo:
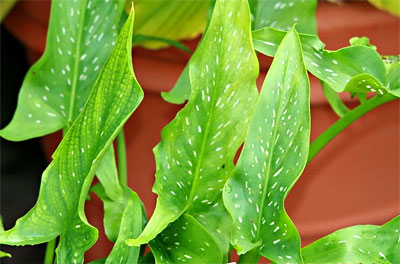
(131, 226)
(357, 244)
(185, 241)
(56, 87)
(274, 155)
(334, 100)
(197, 148)
(66, 181)
(283, 14)
(336, 68)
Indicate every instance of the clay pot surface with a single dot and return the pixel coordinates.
(354, 180)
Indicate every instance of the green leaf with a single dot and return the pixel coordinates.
(283, 14)
(108, 176)
(274, 155)
(336, 68)
(131, 226)
(334, 100)
(174, 20)
(197, 148)
(357, 244)
(391, 6)
(185, 241)
(56, 87)
(3, 254)
(362, 41)
(66, 181)
(181, 90)
(393, 79)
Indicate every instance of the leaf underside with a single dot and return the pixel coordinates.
(197, 148)
(56, 87)
(273, 157)
(357, 244)
(66, 181)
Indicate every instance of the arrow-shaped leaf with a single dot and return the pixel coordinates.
(357, 244)
(185, 241)
(66, 181)
(274, 156)
(197, 148)
(56, 87)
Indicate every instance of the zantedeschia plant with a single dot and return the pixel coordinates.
(207, 204)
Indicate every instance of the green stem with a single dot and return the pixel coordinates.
(122, 163)
(251, 257)
(345, 121)
(49, 255)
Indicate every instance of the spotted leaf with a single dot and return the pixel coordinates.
(66, 181)
(185, 241)
(336, 68)
(56, 87)
(274, 155)
(197, 148)
(283, 14)
(357, 244)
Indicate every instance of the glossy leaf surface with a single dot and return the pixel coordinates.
(197, 148)
(357, 244)
(283, 14)
(56, 87)
(185, 241)
(66, 181)
(336, 68)
(274, 155)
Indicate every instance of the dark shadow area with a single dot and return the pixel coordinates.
(22, 163)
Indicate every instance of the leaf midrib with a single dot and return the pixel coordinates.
(268, 174)
(76, 69)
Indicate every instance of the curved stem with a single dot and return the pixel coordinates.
(251, 257)
(345, 121)
(49, 254)
(122, 163)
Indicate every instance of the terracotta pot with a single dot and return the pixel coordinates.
(350, 182)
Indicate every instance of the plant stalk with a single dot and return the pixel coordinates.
(49, 254)
(251, 257)
(122, 162)
(329, 134)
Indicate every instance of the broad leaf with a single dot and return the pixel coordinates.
(274, 155)
(3, 254)
(283, 14)
(197, 148)
(66, 181)
(131, 226)
(185, 241)
(357, 244)
(174, 20)
(336, 68)
(56, 87)
(391, 6)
